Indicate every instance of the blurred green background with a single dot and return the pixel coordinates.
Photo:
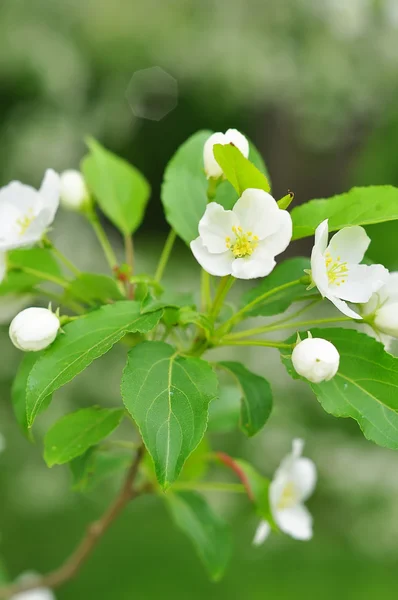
(314, 83)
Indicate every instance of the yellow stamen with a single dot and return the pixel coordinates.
(288, 497)
(25, 221)
(244, 243)
(336, 270)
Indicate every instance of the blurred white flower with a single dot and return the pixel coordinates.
(336, 271)
(34, 329)
(244, 241)
(37, 594)
(74, 192)
(316, 359)
(383, 307)
(232, 136)
(25, 213)
(293, 483)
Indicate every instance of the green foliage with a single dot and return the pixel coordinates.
(72, 435)
(208, 533)
(289, 270)
(168, 397)
(256, 397)
(224, 413)
(365, 386)
(239, 171)
(359, 206)
(184, 189)
(94, 288)
(259, 489)
(39, 260)
(18, 392)
(95, 465)
(119, 188)
(85, 339)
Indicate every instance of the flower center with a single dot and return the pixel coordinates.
(288, 497)
(337, 270)
(243, 244)
(25, 221)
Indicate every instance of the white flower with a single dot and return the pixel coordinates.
(74, 192)
(316, 359)
(34, 329)
(37, 594)
(232, 136)
(25, 213)
(383, 307)
(293, 483)
(336, 271)
(243, 241)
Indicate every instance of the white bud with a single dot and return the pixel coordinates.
(34, 329)
(316, 359)
(74, 192)
(232, 136)
(386, 319)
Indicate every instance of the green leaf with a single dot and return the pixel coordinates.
(208, 533)
(120, 189)
(40, 260)
(197, 464)
(95, 465)
(18, 392)
(168, 397)
(239, 171)
(224, 413)
(277, 303)
(365, 387)
(184, 189)
(359, 206)
(72, 435)
(84, 340)
(259, 488)
(256, 397)
(94, 288)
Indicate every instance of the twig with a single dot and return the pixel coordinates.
(94, 533)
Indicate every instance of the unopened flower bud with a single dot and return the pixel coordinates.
(316, 359)
(232, 136)
(386, 319)
(34, 329)
(74, 192)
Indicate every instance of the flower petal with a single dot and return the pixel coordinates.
(349, 244)
(319, 272)
(343, 307)
(253, 266)
(304, 476)
(295, 521)
(277, 242)
(262, 532)
(258, 212)
(211, 166)
(235, 137)
(50, 190)
(215, 264)
(23, 198)
(321, 236)
(361, 282)
(215, 226)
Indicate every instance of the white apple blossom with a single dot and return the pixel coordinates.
(232, 136)
(25, 213)
(34, 329)
(244, 241)
(336, 271)
(293, 483)
(316, 359)
(382, 308)
(36, 594)
(74, 192)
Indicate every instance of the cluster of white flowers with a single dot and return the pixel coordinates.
(293, 483)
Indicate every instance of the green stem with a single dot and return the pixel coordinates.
(210, 486)
(164, 257)
(103, 240)
(240, 314)
(41, 275)
(129, 251)
(205, 290)
(77, 308)
(225, 285)
(68, 263)
(265, 343)
(281, 326)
